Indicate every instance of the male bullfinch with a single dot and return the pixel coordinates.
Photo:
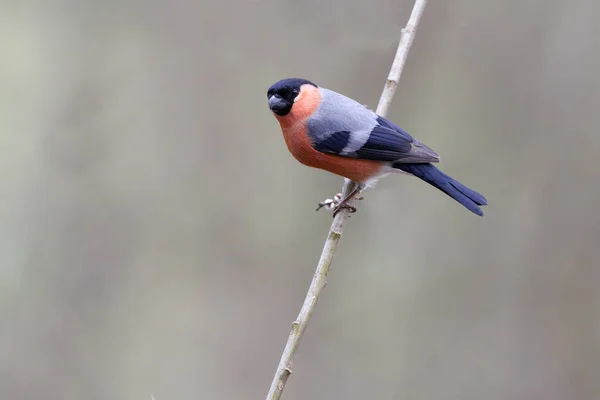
(324, 129)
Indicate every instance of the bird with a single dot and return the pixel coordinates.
(326, 130)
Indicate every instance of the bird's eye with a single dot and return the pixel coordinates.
(295, 92)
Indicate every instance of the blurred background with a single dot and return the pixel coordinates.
(157, 239)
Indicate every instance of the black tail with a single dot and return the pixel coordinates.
(459, 192)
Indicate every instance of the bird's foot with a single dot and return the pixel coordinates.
(330, 204)
(342, 206)
(336, 204)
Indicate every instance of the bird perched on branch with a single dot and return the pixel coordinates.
(324, 129)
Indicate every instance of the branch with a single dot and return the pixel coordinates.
(284, 369)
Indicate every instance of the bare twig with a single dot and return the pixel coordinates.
(319, 280)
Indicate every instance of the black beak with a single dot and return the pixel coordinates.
(278, 105)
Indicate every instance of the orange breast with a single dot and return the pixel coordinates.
(299, 144)
(293, 126)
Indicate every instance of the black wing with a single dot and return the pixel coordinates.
(387, 142)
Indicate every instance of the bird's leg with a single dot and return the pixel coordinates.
(337, 203)
(344, 202)
(330, 204)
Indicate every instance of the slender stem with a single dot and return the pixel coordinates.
(406, 40)
(319, 280)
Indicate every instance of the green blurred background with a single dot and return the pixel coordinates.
(158, 239)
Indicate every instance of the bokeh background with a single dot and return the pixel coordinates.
(157, 239)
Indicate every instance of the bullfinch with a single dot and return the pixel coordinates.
(324, 129)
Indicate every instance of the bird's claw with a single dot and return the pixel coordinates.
(340, 207)
(334, 204)
(330, 204)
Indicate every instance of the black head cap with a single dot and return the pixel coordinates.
(281, 94)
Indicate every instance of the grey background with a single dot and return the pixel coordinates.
(156, 237)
